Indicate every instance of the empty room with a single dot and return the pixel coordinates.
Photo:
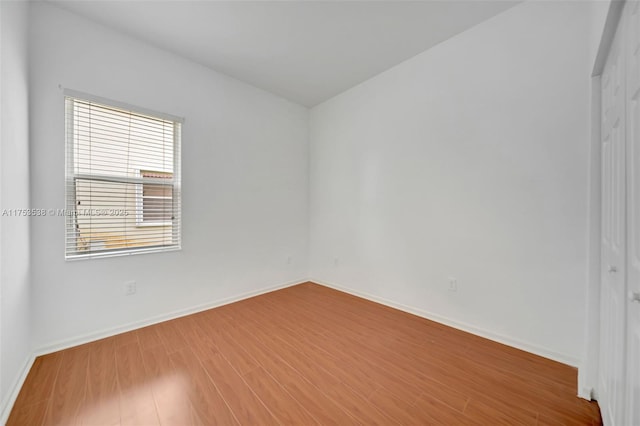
(319, 212)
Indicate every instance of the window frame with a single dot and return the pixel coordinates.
(71, 177)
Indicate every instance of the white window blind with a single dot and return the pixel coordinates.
(122, 181)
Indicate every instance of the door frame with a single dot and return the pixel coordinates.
(589, 367)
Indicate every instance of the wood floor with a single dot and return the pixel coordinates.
(304, 355)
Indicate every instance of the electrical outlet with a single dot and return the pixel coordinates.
(336, 261)
(453, 284)
(130, 288)
(289, 260)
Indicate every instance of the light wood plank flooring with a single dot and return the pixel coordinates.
(304, 355)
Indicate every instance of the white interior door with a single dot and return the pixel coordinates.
(631, 15)
(613, 337)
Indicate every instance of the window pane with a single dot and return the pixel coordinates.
(106, 218)
(156, 190)
(118, 143)
(157, 209)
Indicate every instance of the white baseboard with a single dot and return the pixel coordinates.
(7, 404)
(585, 392)
(585, 389)
(90, 337)
(525, 346)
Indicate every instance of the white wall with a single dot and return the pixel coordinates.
(468, 161)
(15, 343)
(244, 175)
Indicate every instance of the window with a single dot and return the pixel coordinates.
(123, 180)
(155, 200)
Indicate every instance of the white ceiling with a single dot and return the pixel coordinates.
(305, 51)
